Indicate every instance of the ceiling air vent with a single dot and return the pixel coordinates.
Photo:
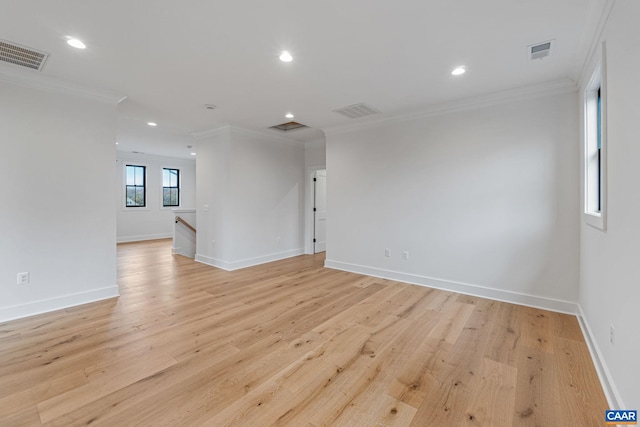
(540, 50)
(22, 56)
(289, 126)
(356, 111)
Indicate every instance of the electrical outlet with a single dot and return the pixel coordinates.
(278, 240)
(612, 334)
(23, 278)
(387, 252)
(405, 255)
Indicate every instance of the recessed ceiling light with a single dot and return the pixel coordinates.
(286, 56)
(193, 154)
(289, 116)
(459, 70)
(76, 43)
(116, 142)
(152, 124)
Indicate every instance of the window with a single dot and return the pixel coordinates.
(595, 143)
(135, 186)
(170, 187)
(599, 136)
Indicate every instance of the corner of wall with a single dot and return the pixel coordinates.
(608, 386)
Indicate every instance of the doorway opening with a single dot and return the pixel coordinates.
(320, 211)
(309, 204)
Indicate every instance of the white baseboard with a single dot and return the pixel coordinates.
(236, 265)
(128, 239)
(184, 253)
(213, 262)
(608, 386)
(58, 303)
(545, 303)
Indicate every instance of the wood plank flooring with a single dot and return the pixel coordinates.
(291, 343)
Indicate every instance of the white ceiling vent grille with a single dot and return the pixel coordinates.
(540, 50)
(356, 111)
(22, 56)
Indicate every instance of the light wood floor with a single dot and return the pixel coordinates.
(291, 343)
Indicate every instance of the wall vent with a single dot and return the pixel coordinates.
(356, 111)
(22, 56)
(289, 126)
(540, 50)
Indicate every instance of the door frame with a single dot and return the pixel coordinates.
(308, 208)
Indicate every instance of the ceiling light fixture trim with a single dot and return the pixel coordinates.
(285, 56)
(73, 42)
(458, 71)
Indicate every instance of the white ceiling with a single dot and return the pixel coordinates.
(169, 57)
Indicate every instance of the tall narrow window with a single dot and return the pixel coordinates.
(135, 186)
(595, 147)
(170, 187)
(599, 132)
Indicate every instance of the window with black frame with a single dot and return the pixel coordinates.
(170, 187)
(595, 146)
(135, 188)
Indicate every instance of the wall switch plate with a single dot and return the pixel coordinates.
(387, 252)
(23, 278)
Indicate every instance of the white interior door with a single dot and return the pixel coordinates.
(320, 212)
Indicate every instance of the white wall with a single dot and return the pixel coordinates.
(485, 201)
(58, 156)
(315, 152)
(154, 221)
(253, 184)
(610, 260)
(212, 189)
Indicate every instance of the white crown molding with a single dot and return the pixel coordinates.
(220, 130)
(128, 155)
(595, 41)
(229, 128)
(266, 133)
(554, 87)
(30, 79)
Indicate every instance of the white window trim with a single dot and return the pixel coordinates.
(162, 206)
(590, 214)
(123, 187)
